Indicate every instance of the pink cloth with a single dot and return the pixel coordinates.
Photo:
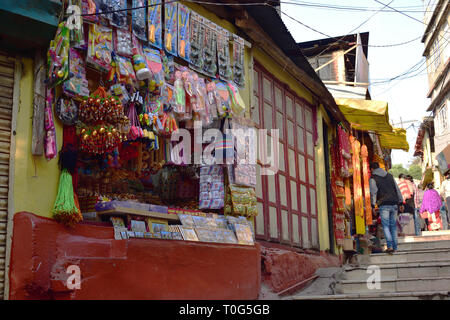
(431, 201)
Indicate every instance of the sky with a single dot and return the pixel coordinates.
(406, 98)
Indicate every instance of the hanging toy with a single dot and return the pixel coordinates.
(142, 72)
(58, 56)
(50, 137)
(180, 94)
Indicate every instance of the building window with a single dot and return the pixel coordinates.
(287, 203)
(443, 118)
(327, 73)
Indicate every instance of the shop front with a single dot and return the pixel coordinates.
(370, 139)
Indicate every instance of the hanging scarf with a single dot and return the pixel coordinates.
(366, 177)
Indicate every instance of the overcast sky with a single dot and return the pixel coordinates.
(407, 98)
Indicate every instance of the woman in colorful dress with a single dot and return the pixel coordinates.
(430, 209)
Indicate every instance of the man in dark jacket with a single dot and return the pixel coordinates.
(385, 193)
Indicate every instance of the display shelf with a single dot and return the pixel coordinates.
(127, 211)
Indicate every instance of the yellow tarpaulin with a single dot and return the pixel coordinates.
(394, 140)
(370, 115)
(366, 115)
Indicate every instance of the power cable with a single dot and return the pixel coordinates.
(350, 32)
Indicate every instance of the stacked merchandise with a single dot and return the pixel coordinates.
(338, 194)
(195, 226)
(127, 88)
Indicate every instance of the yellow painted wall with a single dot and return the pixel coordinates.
(35, 179)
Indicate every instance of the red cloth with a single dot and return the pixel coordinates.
(404, 189)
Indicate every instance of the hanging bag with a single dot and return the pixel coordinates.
(224, 146)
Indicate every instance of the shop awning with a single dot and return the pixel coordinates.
(394, 140)
(367, 115)
(370, 115)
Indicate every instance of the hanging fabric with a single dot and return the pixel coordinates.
(357, 187)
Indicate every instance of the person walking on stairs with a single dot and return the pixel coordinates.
(385, 193)
(430, 209)
(445, 193)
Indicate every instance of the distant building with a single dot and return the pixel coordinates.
(437, 52)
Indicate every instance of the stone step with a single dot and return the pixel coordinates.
(394, 285)
(423, 245)
(436, 233)
(421, 295)
(423, 238)
(407, 257)
(399, 271)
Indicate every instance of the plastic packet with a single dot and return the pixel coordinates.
(237, 104)
(58, 56)
(223, 54)
(125, 70)
(210, 49)
(89, 10)
(238, 67)
(139, 19)
(77, 83)
(224, 107)
(118, 18)
(100, 47)
(155, 65)
(122, 42)
(179, 94)
(197, 41)
(213, 99)
(184, 42)
(170, 28)
(155, 23)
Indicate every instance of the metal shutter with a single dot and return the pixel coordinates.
(6, 106)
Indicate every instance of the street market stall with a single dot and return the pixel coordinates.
(123, 96)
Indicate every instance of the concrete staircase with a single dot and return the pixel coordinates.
(419, 270)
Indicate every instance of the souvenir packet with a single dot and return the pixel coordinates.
(118, 232)
(100, 47)
(223, 54)
(238, 66)
(244, 234)
(177, 236)
(77, 84)
(139, 19)
(187, 220)
(184, 22)
(166, 235)
(206, 234)
(210, 50)
(171, 28)
(123, 42)
(89, 10)
(189, 234)
(138, 226)
(197, 31)
(118, 15)
(154, 23)
(117, 222)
